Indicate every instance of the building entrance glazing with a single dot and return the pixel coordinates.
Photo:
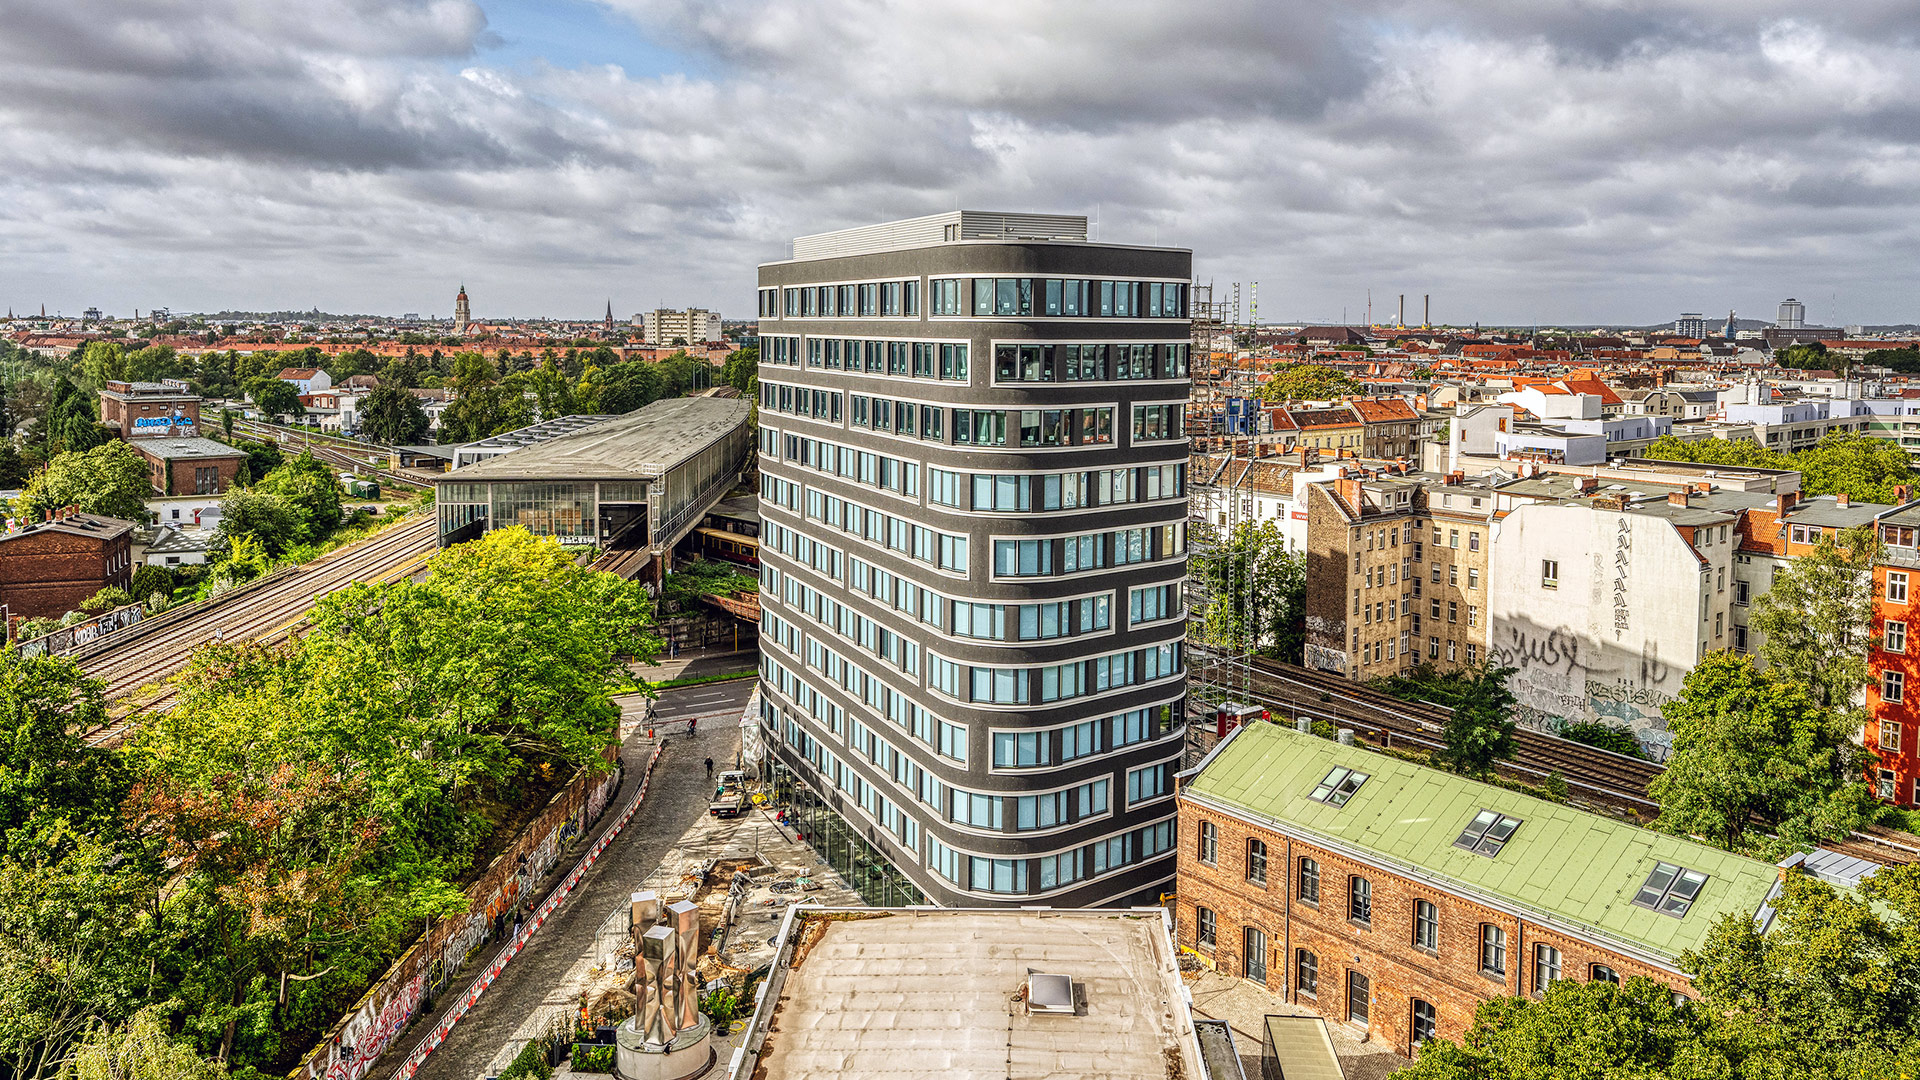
(857, 862)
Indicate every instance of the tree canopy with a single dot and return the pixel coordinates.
(1257, 590)
(1816, 619)
(274, 397)
(110, 479)
(393, 417)
(1479, 730)
(1831, 989)
(1752, 750)
(1306, 382)
(311, 490)
(1858, 466)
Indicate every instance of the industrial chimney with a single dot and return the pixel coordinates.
(1426, 311)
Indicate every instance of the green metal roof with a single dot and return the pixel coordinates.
(1576, 867)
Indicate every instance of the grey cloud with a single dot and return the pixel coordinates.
(1518, 158)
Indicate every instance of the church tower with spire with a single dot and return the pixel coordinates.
(608, 325)
(461, 313)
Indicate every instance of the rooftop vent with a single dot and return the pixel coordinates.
(1050, 994)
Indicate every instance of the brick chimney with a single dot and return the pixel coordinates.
(1587, 485)
(1841, 500)
(1676, 498)
(1349, 489)
(1701, 487)
(1901, 494)
(1784, 502)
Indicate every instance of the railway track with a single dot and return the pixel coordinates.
(1593, 775)
(136, 672)
(342, 453)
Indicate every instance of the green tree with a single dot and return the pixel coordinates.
(143, 1049)
(274, 398)
(1863, 468)
(1257, 592)
(1306, 382)
(1752, 746)
(270, 521)
(1811, 355)
(393, 417)
(1479, 730)
(1904, 360)
(1817, 620)
(110, 479)
(742, 370)
(48, 774)
(311, 489)
(76, 949)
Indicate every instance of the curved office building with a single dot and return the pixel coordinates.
(973, 493)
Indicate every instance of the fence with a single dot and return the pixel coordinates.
(68, 638)
(479, 985)
(494, 904)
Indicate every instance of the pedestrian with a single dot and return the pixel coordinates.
(691, 725)
(709, 768)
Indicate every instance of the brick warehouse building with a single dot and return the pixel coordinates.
(48, 568)
(192, 466)
(1397, 898)
(138, 410)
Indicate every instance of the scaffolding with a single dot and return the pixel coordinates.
(1220, 672)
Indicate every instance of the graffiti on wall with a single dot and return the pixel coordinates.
(1560, 676)
(494, 903)
(68, 638)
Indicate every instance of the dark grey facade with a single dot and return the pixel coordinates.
(973, 501)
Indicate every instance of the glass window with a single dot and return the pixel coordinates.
(1359, 991)
(1338, 787)
(1670, 889)
(1360, 900)
(1256, 954)
(1309, 881)
(1603, 973)
(1205, 927)
(1894, 640)
(1487, 833)
(1426, 1020)
(1426, 925)
(1257, 862)
(1308, 980)
(1493, 950)
(1209, 843)
(1896, 587)
(1893, 686)
(1546, 966)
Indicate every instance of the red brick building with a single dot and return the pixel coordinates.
(1893, 723)
(150, 410)
(47, 569)
(1396, 898)
(190, 466)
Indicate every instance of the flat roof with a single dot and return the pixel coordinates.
(641, 445)
(171, 449)
(879, 994)
(1560, 864)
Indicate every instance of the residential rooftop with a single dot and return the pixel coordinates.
(184, 449)
(1562, 867)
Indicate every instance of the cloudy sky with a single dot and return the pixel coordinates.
(1521, 160)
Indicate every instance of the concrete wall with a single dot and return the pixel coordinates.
(1624, 626)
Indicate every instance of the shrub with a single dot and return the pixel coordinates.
(721, 1007)
(151, 580)
(1612, 737)
(106, 599)
(530, 1063)
(593, 1057)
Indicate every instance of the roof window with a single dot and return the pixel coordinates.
(1487, 833)
(1670, 889)
(1338, 787)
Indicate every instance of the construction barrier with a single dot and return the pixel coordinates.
(559, 896)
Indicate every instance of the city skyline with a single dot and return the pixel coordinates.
(1522, 164)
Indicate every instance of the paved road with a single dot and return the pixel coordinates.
(677, 799)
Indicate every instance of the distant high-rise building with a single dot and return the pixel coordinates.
(693, 326)
(461, 312)
(1730, 326)
(1793, 315)
(1691, 324)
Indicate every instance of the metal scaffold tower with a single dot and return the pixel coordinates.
(1221, 674)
